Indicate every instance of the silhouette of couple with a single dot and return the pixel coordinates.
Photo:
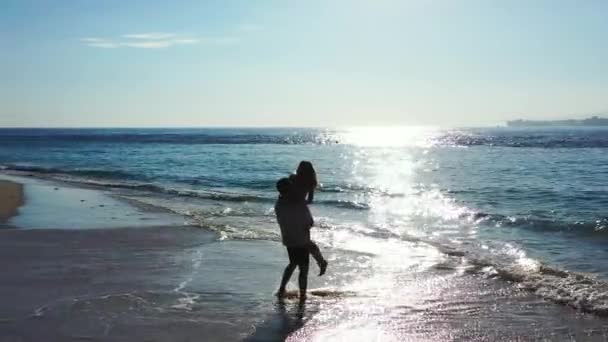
(295, 220)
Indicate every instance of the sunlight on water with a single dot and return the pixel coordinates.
(405, 209)
(395, 164)
(389, 136)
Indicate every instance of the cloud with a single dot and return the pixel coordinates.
(157, 40)
(99, 43)
(92, 40)
(149, 40)
(153, 44)
(186, 41)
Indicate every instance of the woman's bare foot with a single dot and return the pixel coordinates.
(322, 267)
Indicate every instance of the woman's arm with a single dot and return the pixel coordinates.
(311, 196)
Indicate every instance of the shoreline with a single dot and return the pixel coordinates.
(53, 204)
(11, 199)
(173, 282)
(82, 282)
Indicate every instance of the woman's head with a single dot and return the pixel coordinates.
(307, 174)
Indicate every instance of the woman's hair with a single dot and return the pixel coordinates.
(307, 174)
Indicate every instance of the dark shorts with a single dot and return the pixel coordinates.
(298, 255)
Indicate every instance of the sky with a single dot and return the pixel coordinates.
(116, 63)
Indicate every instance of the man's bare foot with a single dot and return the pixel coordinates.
(322, 267)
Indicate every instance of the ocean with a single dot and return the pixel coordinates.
(499, 213)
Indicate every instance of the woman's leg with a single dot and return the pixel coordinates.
(316, 254)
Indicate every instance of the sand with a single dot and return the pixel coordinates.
(139, 284)
(11, 198)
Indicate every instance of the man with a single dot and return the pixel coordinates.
(295, 220)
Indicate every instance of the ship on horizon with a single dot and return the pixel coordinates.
(593, 121)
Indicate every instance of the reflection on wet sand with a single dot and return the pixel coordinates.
(288, 316)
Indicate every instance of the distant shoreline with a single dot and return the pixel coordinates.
(594, 121)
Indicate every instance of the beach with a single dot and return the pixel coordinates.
(138, 252)
(182, 283)
(448, 159)
(152, 283)
(125, 284)
(129, 283)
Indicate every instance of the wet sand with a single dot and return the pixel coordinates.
(134, 284)
(11, 198)
(183, 284)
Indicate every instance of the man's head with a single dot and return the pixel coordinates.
(283, 186)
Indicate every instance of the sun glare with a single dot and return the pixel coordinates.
(386, 136)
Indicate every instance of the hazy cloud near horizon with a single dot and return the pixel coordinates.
(153, 40)
(317, 63)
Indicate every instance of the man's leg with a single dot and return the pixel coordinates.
(292, 253)
(286, 276)
(303, 276)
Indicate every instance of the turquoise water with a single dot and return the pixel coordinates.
(524, 205)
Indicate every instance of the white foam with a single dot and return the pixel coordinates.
(581, 291)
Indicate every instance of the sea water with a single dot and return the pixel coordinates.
(523, 206)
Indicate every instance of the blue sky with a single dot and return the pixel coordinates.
(300, 63)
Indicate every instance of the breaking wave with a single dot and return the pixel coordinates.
(592, 227)
(583, 292)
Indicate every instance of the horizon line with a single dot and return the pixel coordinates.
(255, 126)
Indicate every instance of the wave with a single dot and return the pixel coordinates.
(346, 188)
(121, 180)
(237, 197)
(593, 227)
(583, 292)
(89, 173)
(227, 232)
(123, 175)
(344, 204)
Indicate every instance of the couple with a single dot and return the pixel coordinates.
(295, 221)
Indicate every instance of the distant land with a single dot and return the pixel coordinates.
(592, 121)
